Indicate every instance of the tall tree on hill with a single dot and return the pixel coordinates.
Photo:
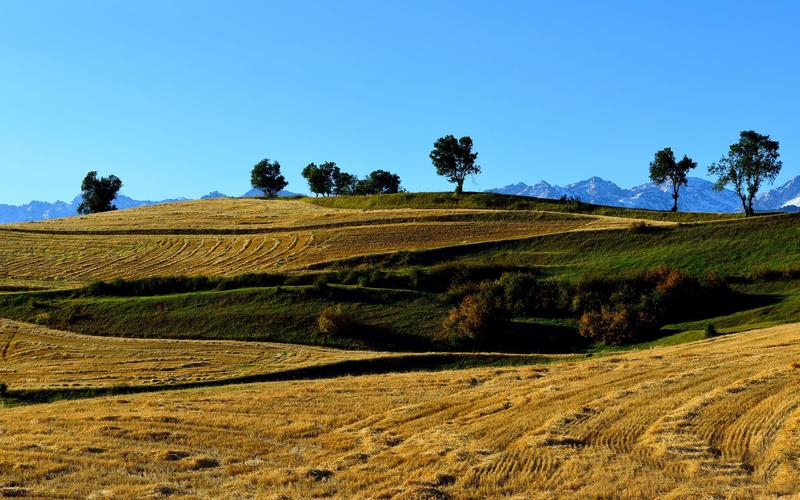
(454, 159)
(664, 168)
(749, 163)
(98, 194)
(266, 176)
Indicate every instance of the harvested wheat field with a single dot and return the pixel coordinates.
(235, 236)
(717, 418)
(35, 357)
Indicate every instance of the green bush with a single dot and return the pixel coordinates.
(711, 330)
(336, 320)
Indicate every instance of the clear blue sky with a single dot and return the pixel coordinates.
(182, 98)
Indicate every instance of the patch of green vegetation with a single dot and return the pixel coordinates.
(388, 319)
(734, 248)
(504, 202)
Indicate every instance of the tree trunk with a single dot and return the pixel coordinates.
(460, 186)
(750, 210)
(675, 202)
(744, 206)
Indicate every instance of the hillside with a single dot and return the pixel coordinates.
(718, 418)
(235, 236)
(198, 365)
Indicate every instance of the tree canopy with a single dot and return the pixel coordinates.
(320, 177)
(378, 182)
(664, 168)
(98, 194)
(454, 159)
(266, 176)
(749, 163)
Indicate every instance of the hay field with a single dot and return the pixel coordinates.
(233, 236)
(35, 357)
(714, 419)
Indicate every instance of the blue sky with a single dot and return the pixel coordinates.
(182, 98)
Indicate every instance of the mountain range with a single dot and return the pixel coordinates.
(698, 195)
(38, 210)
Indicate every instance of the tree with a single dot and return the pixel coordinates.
(98, 194)
(343, 183)
(749, 163)
(454, 159)
(320, 180)
(266, 176)
(664, 168)
(379, 182)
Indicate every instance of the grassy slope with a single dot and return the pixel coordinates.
(393, 320)
(732, 248)
(504, 202)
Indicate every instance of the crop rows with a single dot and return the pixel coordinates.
(716, 419)
(74, 257)
(35, 357)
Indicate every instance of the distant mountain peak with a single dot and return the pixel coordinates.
(698, 195)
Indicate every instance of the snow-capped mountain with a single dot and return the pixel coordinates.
(785, 196)
(697, 196)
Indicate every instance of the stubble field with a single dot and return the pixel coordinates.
(230, 237)
(719, 418)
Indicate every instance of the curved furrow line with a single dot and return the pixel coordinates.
(751, 436)
(251, 262)
(676, 439)
(227, 264)
(234, 265)
(780, 465)
(163, 264)
(166, 249)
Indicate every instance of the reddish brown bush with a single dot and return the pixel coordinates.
(474, 319)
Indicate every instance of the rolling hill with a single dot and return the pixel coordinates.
(719, 418)
(176, 350)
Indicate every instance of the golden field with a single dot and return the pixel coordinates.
(35, 357)
(226, 237)
(713, 419)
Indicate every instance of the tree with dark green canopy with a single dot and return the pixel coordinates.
(379, 182)
(98, 194)
(749, 163)
(266, 176)
(664, 168)
(454, 159)
(320, 180)
(343, 183)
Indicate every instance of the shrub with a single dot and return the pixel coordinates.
(476, 318)
(336, 321)
(320, 283)
(3, 389)
(524, 295)
(642, 227)
(617, 324)
(711, 330)
(620, 309)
